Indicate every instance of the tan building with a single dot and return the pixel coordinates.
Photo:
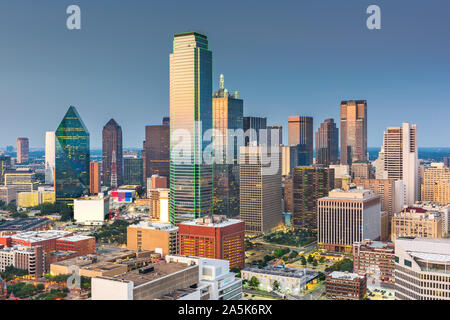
(8, 194)
(430, 187)
(416, 222)
(94, 177)
(374, 259)
(442, 192)
(159, 204)
(23, 149)
(260, 191)
(353, 131)
(362, 170)
(158, 237)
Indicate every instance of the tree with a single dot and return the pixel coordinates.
(315, 263)
(276, 286)
(293, 254)
(321, 276)
(322, 259)
(303, 260)
(254, 282)
(40, 287)
(310, 258)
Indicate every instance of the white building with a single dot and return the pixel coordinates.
(422, 269)
(401, 159)
(91, 210)
(49, 157)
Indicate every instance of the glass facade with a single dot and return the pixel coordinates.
(133, 171)
(72, 156)
(191, 183)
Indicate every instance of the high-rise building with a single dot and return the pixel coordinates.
(191, 179)
(23, 150)
(362, 170)
(400, 159)
(252, 128)
(132, 171)
(166, 120)
(421, 269)
(159, 204)
(72, 157)
(431, 184)
(5, 163)
(289, 159)
(155, 153)
(276, 131)
(214, 237)
(260, 191)
(346, 217)
(327, 143)
(446, 161)
(308, 185)
(50, 157)
(112, 163)
(353, 131)
(227, 122)
(301, 134)
(94, 178)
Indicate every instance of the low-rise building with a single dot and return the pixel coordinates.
(35, 198)
(24, 224)
(91, 210)
(158, 237)
(292, 281)
(345, 286)
(374, 259)
(26, 258)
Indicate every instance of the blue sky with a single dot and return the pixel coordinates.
(286, 58)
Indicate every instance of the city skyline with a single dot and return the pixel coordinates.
(399, 80)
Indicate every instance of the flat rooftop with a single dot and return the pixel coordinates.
(161, 270)
(351, 194)
(215, 221)
(36, 236)
(23, 224)
(154, 226)
(345, 275)
(76, 238)
(285, 272)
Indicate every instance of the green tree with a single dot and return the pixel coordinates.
(303, 260)
(293, 254)
(315, 263)
(254, 283)
(310, 258)
(276, 286)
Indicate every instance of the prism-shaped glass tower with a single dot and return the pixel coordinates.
(72, 156)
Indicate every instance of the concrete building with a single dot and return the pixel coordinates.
(80, 244)
(289, 159)
(214, 237)
(35, 198)
(374, 259)
(345, 286)
(422, 269)
(434, 185)
(292, 281)
(433, 208)
(23, 181)
(362, 170)
(8, 193)
(353, 131)
(400, 159)
(91, 210)
(346, 217)
(260, 191)
(416, 222)
(341, 172)
(158, 237)
(159, 204)
(155, 152)
(327, 143)
(156, 182)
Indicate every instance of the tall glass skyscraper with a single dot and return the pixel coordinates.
(72, 157)
(191, 183)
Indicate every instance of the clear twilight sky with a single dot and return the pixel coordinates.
(286, 58)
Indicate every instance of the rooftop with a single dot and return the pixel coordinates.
(37, 236)
(22, 224)
(351, 194)
(154, 226)
(285, 272)
(344, 275)
(216, 221)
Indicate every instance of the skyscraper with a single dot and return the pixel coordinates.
(94, 178)
(277, 131)
(155, 153)
(260, 192)
(50, 157)
(112, 146)
(327, 143)
(191, 180)
(254, 124)
(308, 185)
(72, 156)
(301, 134)
(227, 118)
(401, 160)
(353, 131)
(132, 168)
(23, 150)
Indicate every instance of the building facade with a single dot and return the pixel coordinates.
(94, 178)
(156, 152)
(112, 158)
(50, 157)
(353, 131)
(327, 143)
(301, 134)
(158, 237)
(23, 150)
(133, 170)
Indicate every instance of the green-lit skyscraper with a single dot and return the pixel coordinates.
(72, 156)
(191, 182)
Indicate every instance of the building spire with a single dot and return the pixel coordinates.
(221, 82)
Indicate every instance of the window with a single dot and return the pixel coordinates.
(407, 263)
(397, 259)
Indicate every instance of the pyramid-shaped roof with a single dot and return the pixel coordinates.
(72, 119)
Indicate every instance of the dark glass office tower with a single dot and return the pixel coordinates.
(156, 152)
(72, 156)
(255, 123)
(353, 131)
(327, 143)
(132, 171)
(112, 143)
(308, 185)
(301, 134)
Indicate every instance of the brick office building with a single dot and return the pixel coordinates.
(214, 237)
(345, 286)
